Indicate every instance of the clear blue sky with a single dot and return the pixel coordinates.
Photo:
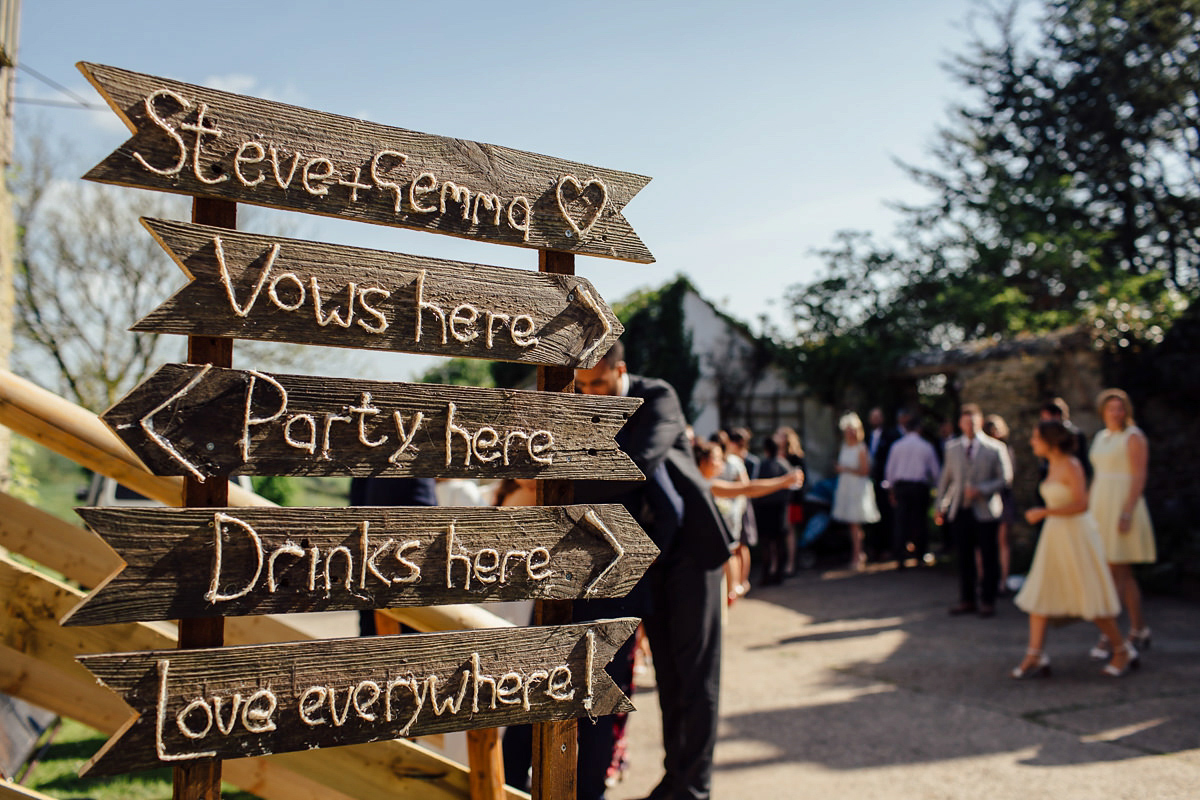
(766, 126)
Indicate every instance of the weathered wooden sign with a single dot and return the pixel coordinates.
(283, 290)
(203, 421)
(207, 143)
(184, 563)
(232, 702)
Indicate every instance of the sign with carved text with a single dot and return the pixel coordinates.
(233, 702)
(271, 289)
(208, 143)
(192, 562)
(203, 421)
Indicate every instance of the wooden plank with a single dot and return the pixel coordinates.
(555, 742)
(206, 421)
(15, 791)
(69, 549)
(83, 557)
(487, 764)
(79, 697)
(184, 563)
(207, 143)
(268, 288)
(78, 434)
(327, 693)
(70, 692)
(201, 780)
(37, 664)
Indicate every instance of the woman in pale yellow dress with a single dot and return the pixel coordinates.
(1119, 457)
(1069, 576)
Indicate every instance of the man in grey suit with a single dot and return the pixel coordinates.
(976, 469)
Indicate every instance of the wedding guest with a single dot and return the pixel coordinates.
(976, 469)
(771, 511)
(1057, 409)
(679, 598)
(1069, 576)
(995, 427)
(1120, 456)
(743, 529)
(911, 472)
(854, 499)
(791, 451)
(879, 440)
(739, 445)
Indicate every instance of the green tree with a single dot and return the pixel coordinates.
(657, 343)
(460, 372)
(1064, 190)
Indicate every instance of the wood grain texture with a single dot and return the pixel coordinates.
(70, 549)
(173, 561)
(76, 433)
(327, 693)
(38, 664)
(83, 557)
(202, 780)
(203, 415)
(354, 169)
(243, 286)
(555, 742)
(79, 697)
(487, 764)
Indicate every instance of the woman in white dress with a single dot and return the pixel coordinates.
(1069, 576)
(1119, 457)
(854, 500)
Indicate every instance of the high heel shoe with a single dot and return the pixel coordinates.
(1101, 651)
(1133, 661)
(1140, 639)
(1040, 668)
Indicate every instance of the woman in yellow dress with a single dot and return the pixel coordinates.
(1119, 457)
(1069, 576)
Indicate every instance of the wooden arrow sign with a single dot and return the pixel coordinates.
(207, 143)
(191, 562)
(283, 290)
(232, 702)
(205, 421)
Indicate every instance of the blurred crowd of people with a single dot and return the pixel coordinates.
(715, 507)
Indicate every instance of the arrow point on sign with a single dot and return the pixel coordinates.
(597, 525)
(584, 298)
(82, 614)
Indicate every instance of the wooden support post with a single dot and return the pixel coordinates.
(554, 743)
(201, 780)
(487, 764)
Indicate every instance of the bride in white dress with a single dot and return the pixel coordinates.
(1069, 576)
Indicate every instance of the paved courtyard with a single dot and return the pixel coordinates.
(861, 686)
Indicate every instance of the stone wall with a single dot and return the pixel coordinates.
(1013, 378)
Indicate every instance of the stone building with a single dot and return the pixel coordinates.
(1012, 378)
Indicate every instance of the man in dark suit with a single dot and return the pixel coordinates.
(880, 439)
(680, 597)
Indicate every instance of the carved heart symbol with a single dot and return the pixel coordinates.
(580, 190)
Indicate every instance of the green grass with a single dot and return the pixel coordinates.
(57, 772)
(53, 479)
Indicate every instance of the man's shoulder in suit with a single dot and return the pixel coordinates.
(642, 386)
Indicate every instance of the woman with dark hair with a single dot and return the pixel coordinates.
(1119, 460)
(1069, 577)
(791, 451)
(710, 458)
(771, 513)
